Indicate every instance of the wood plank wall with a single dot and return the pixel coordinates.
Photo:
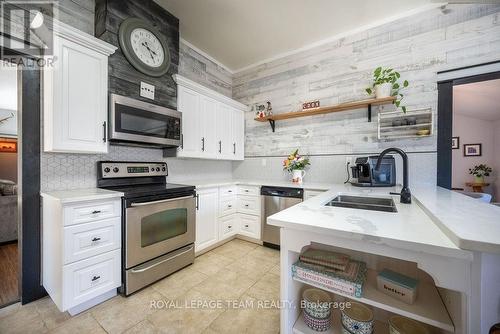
(418, 46)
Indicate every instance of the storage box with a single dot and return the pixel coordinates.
(397, 285)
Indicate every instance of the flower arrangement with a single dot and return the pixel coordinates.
(480, 170)
(295, 162)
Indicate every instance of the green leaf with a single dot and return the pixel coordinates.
(369, 91)
(377, 71)
(397, 103)
(397, 74)
(395, 86)
(405, 83)
(404, 109)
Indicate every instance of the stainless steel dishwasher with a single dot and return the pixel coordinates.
(275, 200)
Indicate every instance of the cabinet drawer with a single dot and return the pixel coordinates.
(89, 278)
(89, 239)
(227, 227)
(227, 191)
(249, 205)
(227, 206)
(249, 226)
(248, 190)
(91, 211)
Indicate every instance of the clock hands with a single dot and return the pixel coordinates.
(151, 52)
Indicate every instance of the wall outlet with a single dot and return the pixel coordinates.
(147, 91)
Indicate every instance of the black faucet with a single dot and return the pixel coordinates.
(405, 192)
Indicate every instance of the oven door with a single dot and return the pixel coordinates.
(140, 122)
(155, 228)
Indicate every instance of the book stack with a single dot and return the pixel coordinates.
(330, 270)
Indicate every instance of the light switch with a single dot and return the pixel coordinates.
(147, 91)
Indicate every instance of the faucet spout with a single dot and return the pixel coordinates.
(405, 192)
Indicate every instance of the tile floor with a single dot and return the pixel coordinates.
(231, 289)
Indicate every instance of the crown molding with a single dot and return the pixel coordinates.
(206, 55)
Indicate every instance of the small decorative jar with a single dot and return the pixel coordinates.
(357, 319)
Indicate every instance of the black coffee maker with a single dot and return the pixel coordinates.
(365, 175)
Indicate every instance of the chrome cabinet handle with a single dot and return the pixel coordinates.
(95, 239)
(234, 148)
(161, 201)
(96, 212)
(203, 144)
(95, 278)
(104, 135)
(220, 146)
(197, 202)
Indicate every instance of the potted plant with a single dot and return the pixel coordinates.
(295, 164)
(479, 172)
(386, 83)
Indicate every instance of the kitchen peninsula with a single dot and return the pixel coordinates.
(456, 269)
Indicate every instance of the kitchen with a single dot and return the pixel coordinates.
(159, 167)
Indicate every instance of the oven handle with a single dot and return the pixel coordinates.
(136, 271)
(161, 201)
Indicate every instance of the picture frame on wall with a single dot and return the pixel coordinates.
(455, 143)
(472, 150)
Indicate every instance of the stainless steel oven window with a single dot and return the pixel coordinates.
(162, 226)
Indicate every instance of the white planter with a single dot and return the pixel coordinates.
(298, 176)
(383, 90)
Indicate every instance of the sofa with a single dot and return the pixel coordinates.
(8, 211)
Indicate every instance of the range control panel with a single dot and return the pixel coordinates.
(132, 169)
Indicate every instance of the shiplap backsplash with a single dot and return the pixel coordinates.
(418, 47)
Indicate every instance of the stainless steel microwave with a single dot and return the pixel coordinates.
(135, 122)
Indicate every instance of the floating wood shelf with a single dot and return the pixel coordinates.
(326, 110)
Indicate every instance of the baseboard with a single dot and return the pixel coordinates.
(93, 302)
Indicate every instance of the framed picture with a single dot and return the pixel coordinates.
(8, 146)
(472, 150)
(455, 143)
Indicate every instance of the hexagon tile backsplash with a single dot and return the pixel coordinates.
(61, 171)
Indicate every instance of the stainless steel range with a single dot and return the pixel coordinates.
(158, 227)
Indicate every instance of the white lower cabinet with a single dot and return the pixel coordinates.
(81, 250)
(207, 231)
(223, 213)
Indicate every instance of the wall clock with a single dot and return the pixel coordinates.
(144, 47)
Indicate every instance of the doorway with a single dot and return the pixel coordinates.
(469, 135)
(9, 157)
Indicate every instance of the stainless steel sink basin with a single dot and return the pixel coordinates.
(364, 203)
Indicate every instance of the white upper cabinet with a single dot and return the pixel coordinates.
(75, 93)
(212, 124)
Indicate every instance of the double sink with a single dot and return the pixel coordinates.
(364, 203)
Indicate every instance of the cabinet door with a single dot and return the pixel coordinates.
(188, 102)
(208, 138)
(206, 218)
(75, 100)
(224, 132)
(238, 134)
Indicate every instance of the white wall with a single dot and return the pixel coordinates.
(472, 130)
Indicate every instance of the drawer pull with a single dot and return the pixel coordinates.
(246, 205)
(95, 239)
(230, 226)
(246, 225)
(95, 278)
(229, 191)
(229, 206)
(246, 190)
(96, 212)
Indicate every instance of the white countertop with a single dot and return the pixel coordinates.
(410, 228)
(200, 184)
(79, 195)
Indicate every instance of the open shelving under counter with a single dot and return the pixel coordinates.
(300, 326)
(326, 110)
(428, 307)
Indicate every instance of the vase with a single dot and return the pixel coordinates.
(383, 90)
(478, 179)
(298, 175)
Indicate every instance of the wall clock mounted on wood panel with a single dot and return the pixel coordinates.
(144, 47)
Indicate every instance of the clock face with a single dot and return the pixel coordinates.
(144, 47)
(147, 47)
